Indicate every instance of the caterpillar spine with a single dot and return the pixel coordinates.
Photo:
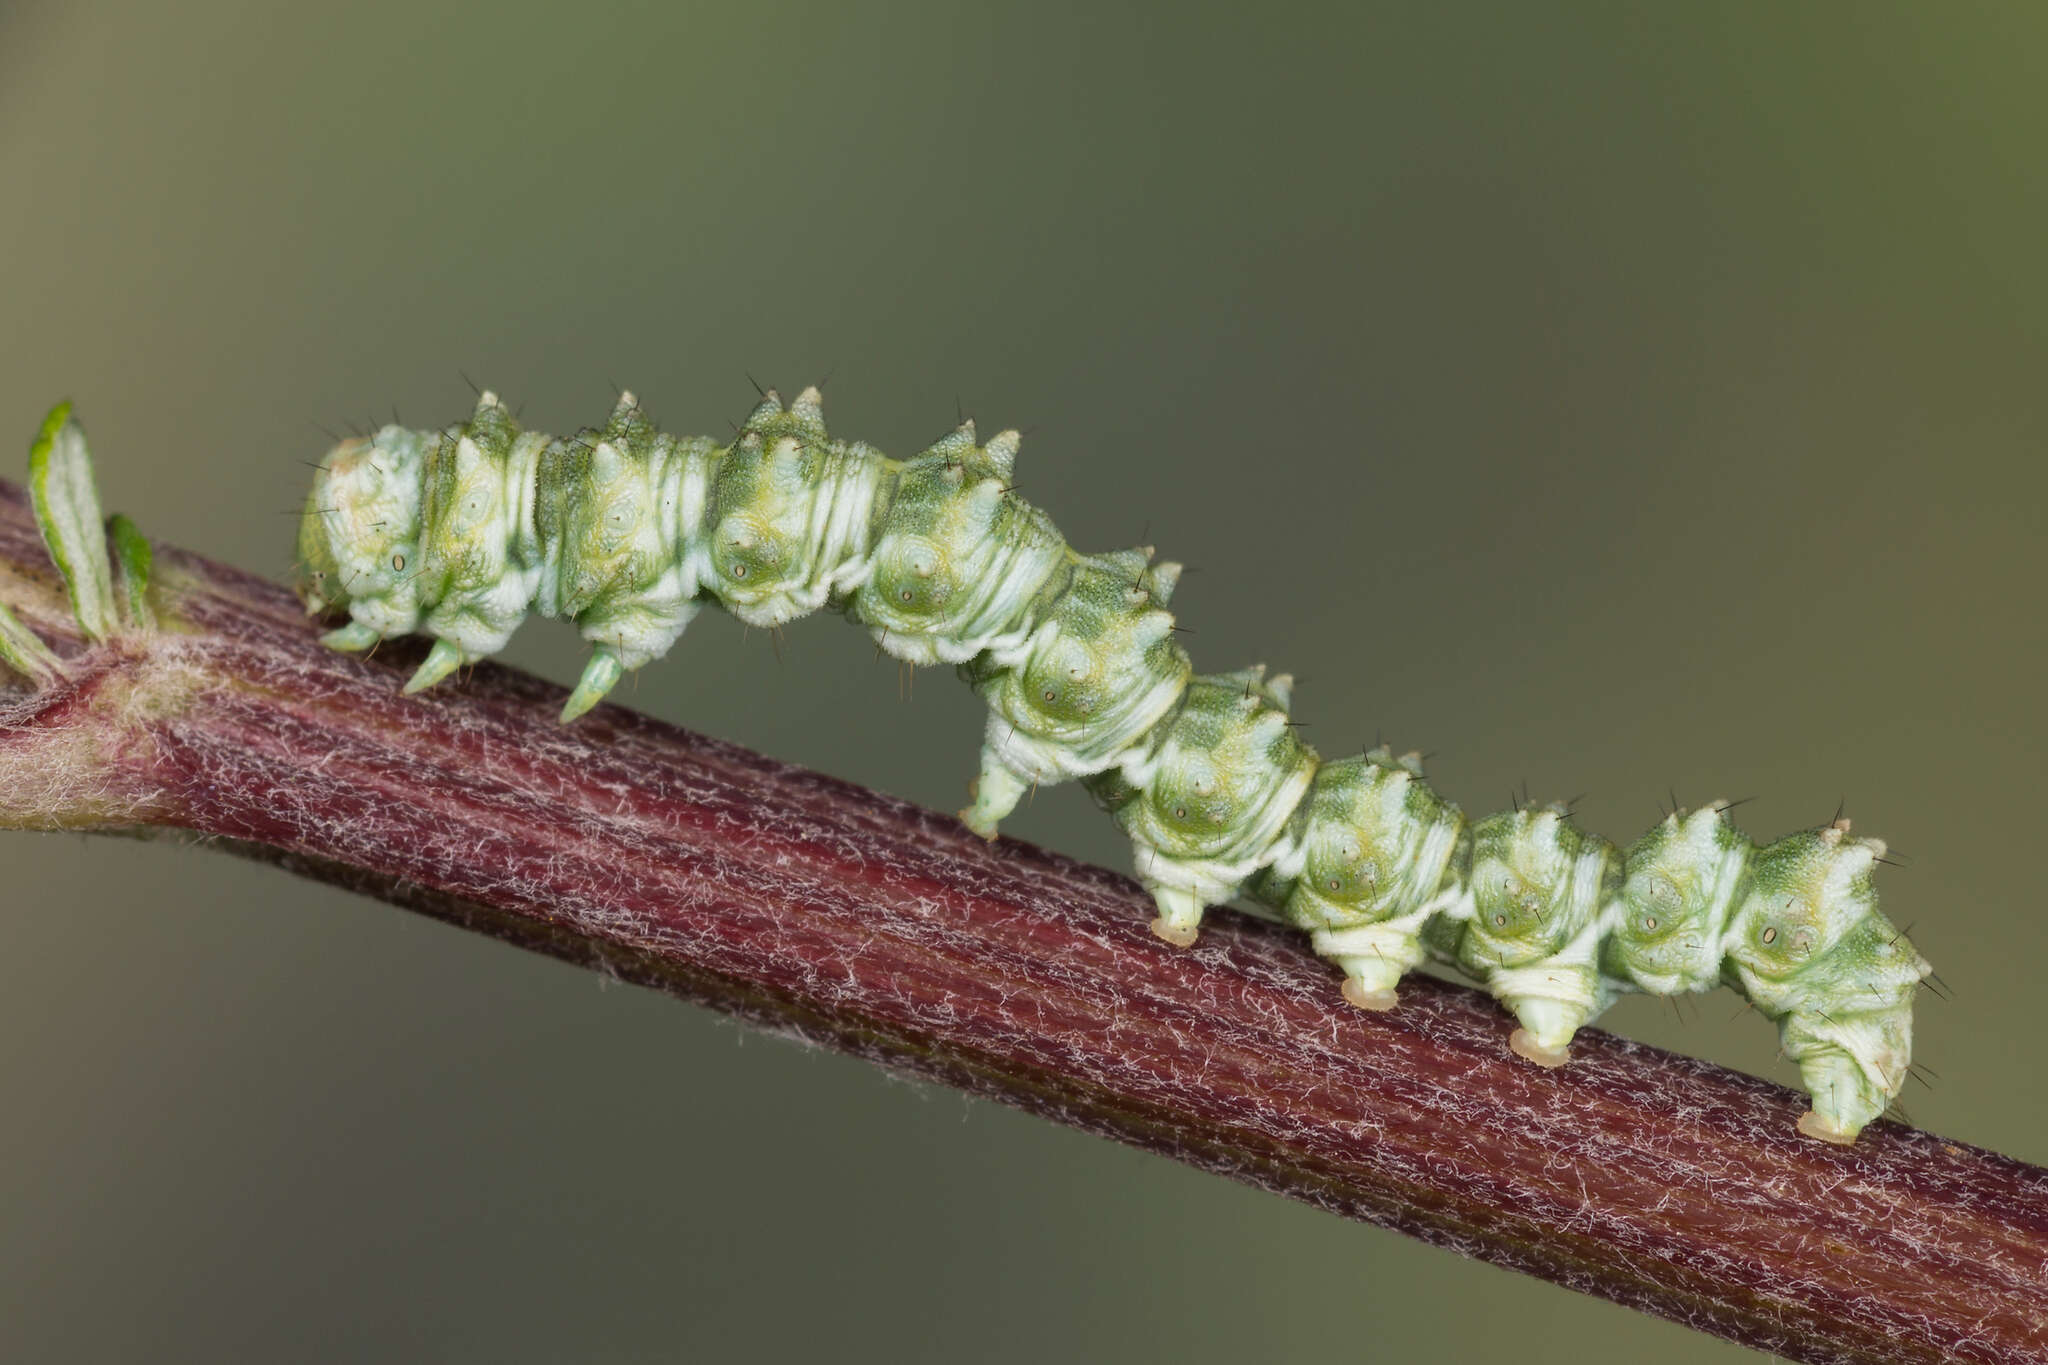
(629, 532)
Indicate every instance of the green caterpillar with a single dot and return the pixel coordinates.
(628, 532)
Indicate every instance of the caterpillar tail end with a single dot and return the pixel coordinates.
(445, 657)
(600, 676)
(1180, 916)
(353, 638)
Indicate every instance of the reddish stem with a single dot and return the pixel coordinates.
(811, 906)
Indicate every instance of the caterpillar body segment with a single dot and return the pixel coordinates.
(1085, 689)
(792, 516)
(1526, 924)
(962, 567)
(629, 532)
(1680, 886)
(1205, 803)
(1371, 858)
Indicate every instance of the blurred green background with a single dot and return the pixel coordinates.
(1608, 396)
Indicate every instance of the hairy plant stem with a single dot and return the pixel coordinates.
(813, 907)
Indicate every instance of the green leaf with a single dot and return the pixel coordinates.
(25, 653)
(131, 547)
(68, 513)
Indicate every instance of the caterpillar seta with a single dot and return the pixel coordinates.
(628, 532)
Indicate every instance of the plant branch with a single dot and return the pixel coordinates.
(813, 907)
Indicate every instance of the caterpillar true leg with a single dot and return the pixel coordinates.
(629, 532)
(600, 675)
(352, 638)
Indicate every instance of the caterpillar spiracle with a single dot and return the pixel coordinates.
(628, 532)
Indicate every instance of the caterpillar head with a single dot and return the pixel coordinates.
(359, 536)
(1368, 831)
(1535, 880)
(1666, 921)
(1809, 890)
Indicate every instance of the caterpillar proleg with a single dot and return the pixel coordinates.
(459, 533)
